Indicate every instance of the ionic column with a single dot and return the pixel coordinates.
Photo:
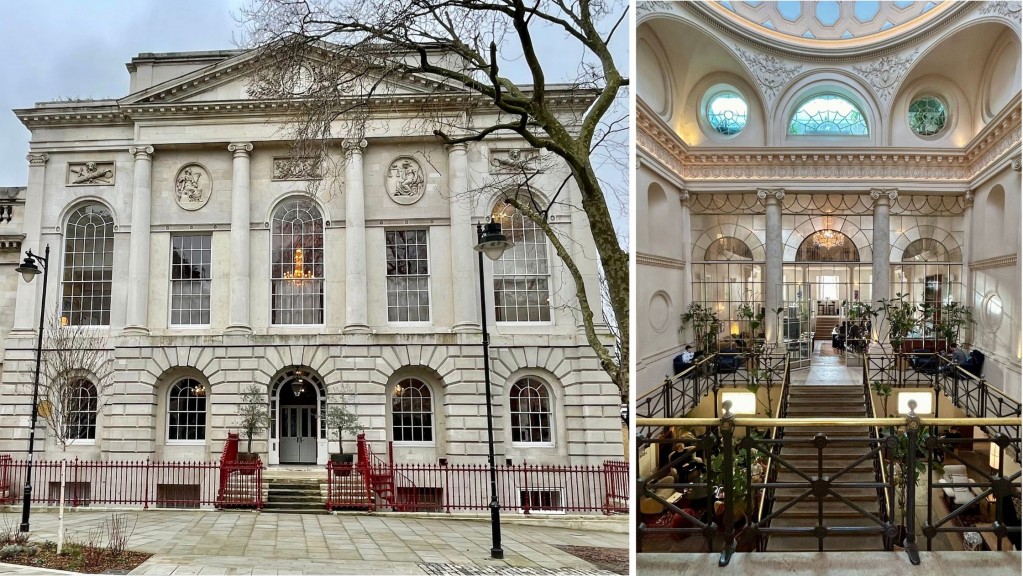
(687, 251)
(882, 244)
(356, 319)
(463, 289)
(138, 252)
(238, 316)
(26, 312)
(773, 253)
(968, 284)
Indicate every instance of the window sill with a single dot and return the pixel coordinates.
(413, 444)
(82, 442)
(534, 445)
(186, 443)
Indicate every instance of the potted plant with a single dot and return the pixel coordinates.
(253, 419)
(705, 325)
(341, 419)
(904, 475)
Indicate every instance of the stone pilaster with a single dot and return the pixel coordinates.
(967, 255)
(463, 273)
(356, 318)
(687, 256)
(882, 245)
(238, 320)
(773, 253)
(26, 313)
(138, 251)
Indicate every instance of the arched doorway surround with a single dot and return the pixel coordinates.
(298, 403)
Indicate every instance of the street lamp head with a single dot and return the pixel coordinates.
(492, 241)
(28, 268)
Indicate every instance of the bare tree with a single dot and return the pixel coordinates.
(340, 60)
(76, 371)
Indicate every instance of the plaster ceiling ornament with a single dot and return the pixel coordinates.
(302, 168)
(885, 73)
(404, 182)
(1006, 9)
(90, 173)
(192, 187)
(771, 72)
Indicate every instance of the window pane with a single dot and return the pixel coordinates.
(296, 264)
(191, 269)
(408, 276)
(411, 412)
(88, 259)
(521, 275)
(828, 114)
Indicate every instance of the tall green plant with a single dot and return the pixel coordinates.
(341, 419)
(704, 322)
(954, 318)
(901, 317)
(253, 414)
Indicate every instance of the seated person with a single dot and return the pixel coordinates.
(686, 464)
(683, 361)
(958, 354)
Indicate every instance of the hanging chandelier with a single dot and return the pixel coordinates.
(827, 238)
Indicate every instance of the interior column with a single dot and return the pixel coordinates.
(238, 320)
(882, 245)
(773, 248)
(138, 251)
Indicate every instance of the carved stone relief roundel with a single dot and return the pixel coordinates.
(192, 187)
(404, 181)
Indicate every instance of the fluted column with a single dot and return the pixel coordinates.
(138, 251)
(26, 312)
(463, 289)
(687, 253)
(773, 253)
(356, 318)
(238, 316)
(882, 245)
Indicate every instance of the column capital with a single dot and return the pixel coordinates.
(141, 152)
(37, 158)
(460, 147)
(1017, 164)
(770, 194)
(884, 195)
(968, 197)
(352, 145)
(240, 149)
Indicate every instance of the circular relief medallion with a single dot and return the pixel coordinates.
(192, 187)
(660, 306)
(991, 311)
(404, 182)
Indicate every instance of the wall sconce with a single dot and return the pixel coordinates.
(742, 402)
(924, 402)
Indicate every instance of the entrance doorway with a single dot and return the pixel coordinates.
(298, 403)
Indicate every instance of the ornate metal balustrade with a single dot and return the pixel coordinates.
(717, 508)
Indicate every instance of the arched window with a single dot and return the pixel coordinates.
(726, 113)
(296, 263)
(80, 415)
(522, 274)
(827, 245)
(88, 266)
(727, 248)
(828, 115)
(930, 250)
(531, 415)
(186, 410)
(927, 116)
(411, 412)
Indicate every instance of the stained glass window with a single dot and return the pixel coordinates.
(927, 116)
(726, 113)
(829, 115)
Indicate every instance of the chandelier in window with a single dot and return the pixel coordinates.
(827, 238)
(299, 273)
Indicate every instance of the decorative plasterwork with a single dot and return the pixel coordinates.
(884, 74)
(192, 186)
(513, 160)
(770, 71)
(290, 168)
(404, 181)
(659, 261)
(1017, 164)
(836, 203)
(881, 193)
(1005, 9)
(90, 173)
(996, 262)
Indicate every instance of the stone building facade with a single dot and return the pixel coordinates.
(182, 229)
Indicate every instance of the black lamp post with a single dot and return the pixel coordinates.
(492, 242)
(28, 271)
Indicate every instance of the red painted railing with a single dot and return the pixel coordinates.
(138, 483)
(522, 488)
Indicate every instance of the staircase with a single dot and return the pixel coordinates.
(824, 326)
(835, 401)
(295, 496)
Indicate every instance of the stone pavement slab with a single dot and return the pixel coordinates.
(245, 542)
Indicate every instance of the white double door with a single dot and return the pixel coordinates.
(298, 435)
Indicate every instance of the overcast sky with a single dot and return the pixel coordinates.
(52, 49)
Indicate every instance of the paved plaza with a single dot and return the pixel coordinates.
(200, 542)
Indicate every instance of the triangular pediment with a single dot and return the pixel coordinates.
(232, 79)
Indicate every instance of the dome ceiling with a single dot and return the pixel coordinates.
(830, 22)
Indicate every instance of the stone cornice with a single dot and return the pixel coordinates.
(11, 241)
(996, 262)
(643, 258)
(998, 138)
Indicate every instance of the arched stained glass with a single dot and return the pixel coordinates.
(727, 113)
(927, 116)
(828, 115)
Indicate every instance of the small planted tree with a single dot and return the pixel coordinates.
(704, 323)
(253, 415)
(340, 419)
